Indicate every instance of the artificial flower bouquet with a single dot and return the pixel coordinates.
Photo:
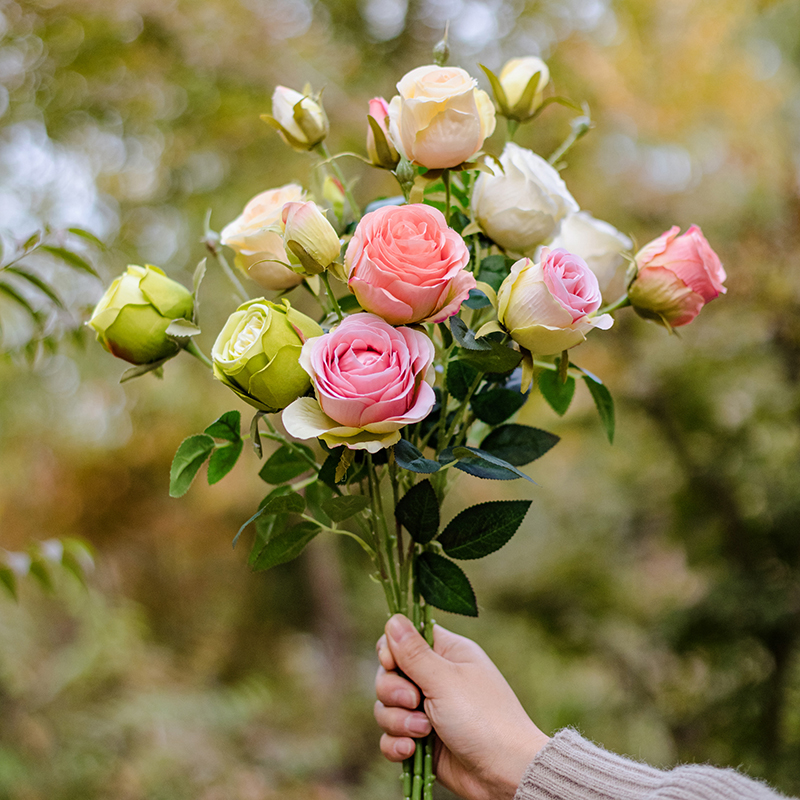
(440, 311)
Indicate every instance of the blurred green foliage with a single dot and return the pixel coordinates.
(654, 598)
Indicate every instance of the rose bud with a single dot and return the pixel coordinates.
(309, 238)
(370, 381)
(548, 307)
(133, 315)
(380, 149)
(406, 265)
(523, 206)
(677, 276)
(599, 244)
(299, 118)
(255, 236)
(440, 118)
(518, 90)
(256, 353)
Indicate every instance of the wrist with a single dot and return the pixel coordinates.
(521, 750)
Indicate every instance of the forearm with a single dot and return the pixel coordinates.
(571, 768)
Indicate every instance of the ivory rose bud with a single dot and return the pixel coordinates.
(370, 381)
(599, 244)
(299, 118)
(309, 237)
(677, 276)
(256, 353)
(440, 118)
(406, 265)
(548, 307)
(132, 317)
(523, 206)
(380, 149)
(515, 78)
(255, 237)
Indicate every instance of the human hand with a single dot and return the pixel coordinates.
(485, 738)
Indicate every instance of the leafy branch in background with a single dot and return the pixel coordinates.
(42, 560)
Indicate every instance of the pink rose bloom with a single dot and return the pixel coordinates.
(548, 307)
(406, 265)
(677, 276)
(370, 379)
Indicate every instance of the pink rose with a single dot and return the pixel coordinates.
(370, 379)
(380, 148)
(406, 265)
(549, 307)
(677, 276)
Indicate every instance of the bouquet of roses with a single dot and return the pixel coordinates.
(440, 310)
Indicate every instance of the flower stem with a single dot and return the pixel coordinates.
(195, 351)
(617, 304)
(428, 776)
(446, 182)
(331, 296)
(331, 162)
(212, 248)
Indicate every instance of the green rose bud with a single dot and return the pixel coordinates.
(256, 353)
(133, 315)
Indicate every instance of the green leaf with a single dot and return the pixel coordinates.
(285, 464)
(32, 241)
(197, 279)
(497, 87)
(227, 427)
(460, 377)
(223, 460)
(498, 358)
(281, 500)
(316, 494)
(255, 434)
(465, 337)
(266, 529)
(480, 464)
(477, 299)
(443, 584)
(36, 281)
(285, 545)
(480, 530)
(558, 395)
(408, 457)
(349, 304)
(604, 402)
(344, 507)
(10, 292)
(497, 405)
(143, 369)
(41, 574)
(418, 512)
(8, 580)
(191, 455)
(88, 235)
(493, 270)
(518, 444)
(68, 257)
(181, 330)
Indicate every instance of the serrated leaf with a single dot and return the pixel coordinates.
(477, 299)
(285, 464)
(227, 427)
(223, 460)
(518, 444)
(460, 377)
(480, 530)
(408, 457)
(181, 329)
(418, 512)
(558, 395)
(497, 359)
(604, 403)
(465, 337)
(443, 584)
(191, 455)
(316, 494)
(497, 405)
(266, 528)
(493, 270)
(344, 507)
(286, 545)
(349, 304)
(258, 517)
(481, 464)
(68, 257)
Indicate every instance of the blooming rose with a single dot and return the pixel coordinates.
(599, 244)
(547, 307)
(439, 118)
(299, 118)
(677, 276)
(406, 265)
(256, 353)
(133, 315)
(370, 379)
(256, 238)
(514, 78)
(521, 207)
(309, 237)
(380, 149)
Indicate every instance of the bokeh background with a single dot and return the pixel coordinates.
(653, 597)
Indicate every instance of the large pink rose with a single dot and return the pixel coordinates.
(550, 306)
(677, 276)
(406, 265)
(370, 379)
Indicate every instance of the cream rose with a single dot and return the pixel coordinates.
(440, 118)
(515, 77)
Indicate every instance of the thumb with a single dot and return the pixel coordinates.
(414, 655)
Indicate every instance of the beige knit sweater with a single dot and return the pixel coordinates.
(570, 768)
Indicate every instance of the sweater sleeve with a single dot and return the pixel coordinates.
(571, 768)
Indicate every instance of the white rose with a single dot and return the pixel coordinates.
(440, 118)
(304, 130)
(523, 206)
(599, 244)
(514, 78)
(256, 238)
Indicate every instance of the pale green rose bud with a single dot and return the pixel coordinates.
(133, 315)
(299, 118)
(518, 91)
(256, 353)
(309, 238)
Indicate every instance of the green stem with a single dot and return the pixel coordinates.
(578, 132)
(226, 268)
(334, 302)
(195, 351)
(464, 404)
(623, 302)
(511, 128)
(563, 366)
(446, 182)
(388, 581)
(428, 776)
(331, 162)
